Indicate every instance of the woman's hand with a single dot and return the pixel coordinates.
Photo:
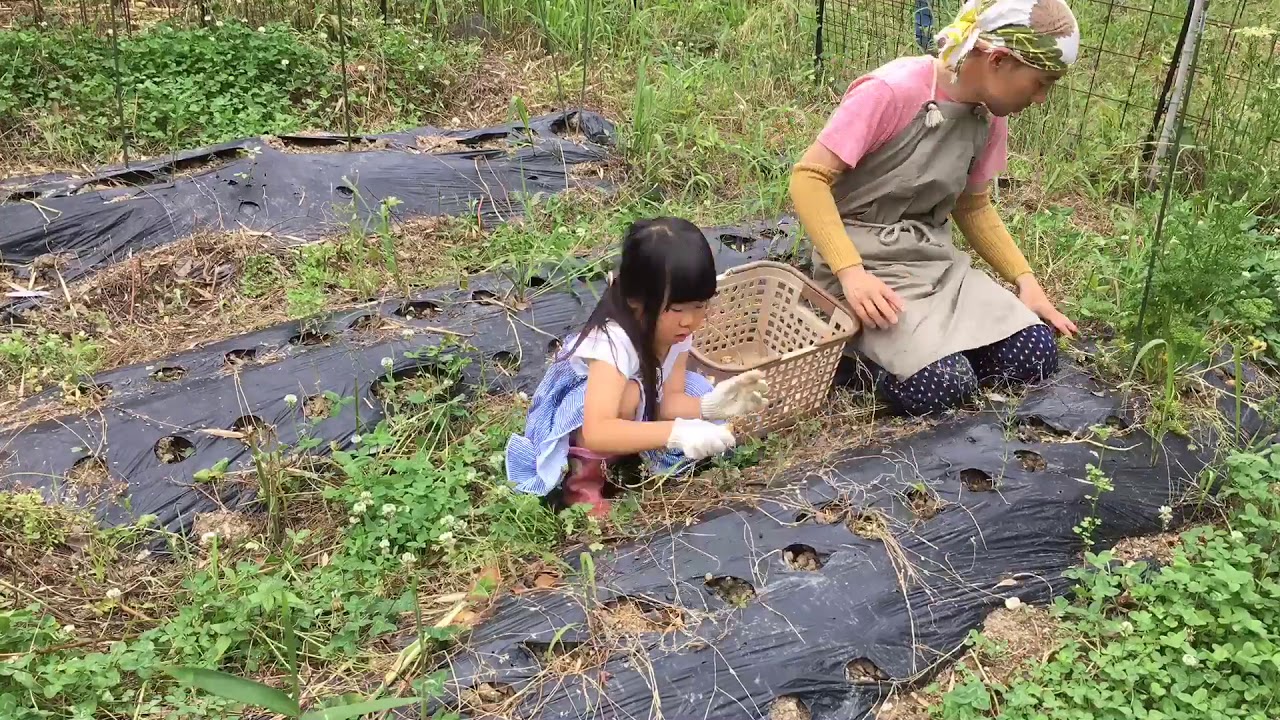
(875, 303)
(699, 439)
(741, 395)
(1032, 295)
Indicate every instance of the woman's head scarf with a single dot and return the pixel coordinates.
(1040, 33)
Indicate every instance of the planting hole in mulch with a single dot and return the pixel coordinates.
(174, 449)
(363, 323)
(414, 385)
(310, 337)
(738, 242)
(89, 392)
(802, 557)
(1031, 461)
(924, 503)
(735, 591)
(256, 431)
(418, 310)
(638, 616)
(507, 362)
(1034, 430)
(238, 358)
(862, 670)
(487, 697)
(975, 480)
(169, 374)
(535, 281)
(789, 707)
(1150, 548)
(870, 524)
(317, 407)
(831, 513)
(483, 296)
(89, 472)
(1116, 422)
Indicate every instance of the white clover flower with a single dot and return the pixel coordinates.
(384, 544)
(387, 363)
(388, 509)
(355, 439)
(1013, 603)
(207, 18)
(284, 62)
(408, 559)
(261, 29)
(142, 556)
(359, 68)
(218, 24)
(251, 545)
(1166, 515)
(69, 629)
(290, 399)
(407, 333)
(448, 520)
(359, 507)
(1126, 627)
(208, 537)
(352, 520)
(366, 495)
(114, 594)
(460, 525)
(1190, 660)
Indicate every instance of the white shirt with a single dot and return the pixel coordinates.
(610, 344)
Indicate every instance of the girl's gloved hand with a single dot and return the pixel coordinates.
(742, 395)
(699, 439)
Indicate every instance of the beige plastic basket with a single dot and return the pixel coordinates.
(769, 316)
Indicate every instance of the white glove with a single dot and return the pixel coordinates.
(742, 395)
(699, 439)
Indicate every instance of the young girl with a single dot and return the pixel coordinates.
(621, 386)
(917, 142)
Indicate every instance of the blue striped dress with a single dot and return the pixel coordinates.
(537, 460)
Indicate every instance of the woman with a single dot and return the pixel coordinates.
(913, 143)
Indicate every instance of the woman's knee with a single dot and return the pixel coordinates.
(1031, 354)
(944, 385)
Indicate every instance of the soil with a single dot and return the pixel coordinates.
(1158, 548)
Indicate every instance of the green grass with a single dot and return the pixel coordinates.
(1194, 639)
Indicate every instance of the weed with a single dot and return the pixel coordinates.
(34, 360)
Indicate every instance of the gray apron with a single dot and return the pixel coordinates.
(896, 205)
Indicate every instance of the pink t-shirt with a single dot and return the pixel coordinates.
(881, 104)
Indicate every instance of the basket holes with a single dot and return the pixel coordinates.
(89, 471)
(344, 191)
(483, 296)
(418, 310)
(310, 337)
(738, 242)
(734, 591)
(249, 208)
(255, 431)
(173, 449)
(975, 480)
(170, 373)
(236, 358)
(862, 670)
(789, 707)
(1031, 461)
(508, 362)
(363, 323)
(488, 697)
(799, 556)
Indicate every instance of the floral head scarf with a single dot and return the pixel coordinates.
(1040, 33)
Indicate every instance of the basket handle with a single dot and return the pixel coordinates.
(810, 292)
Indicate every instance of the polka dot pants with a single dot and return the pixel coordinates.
(1029, 355)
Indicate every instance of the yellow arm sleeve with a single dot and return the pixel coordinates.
(987, 235)
(816, 209)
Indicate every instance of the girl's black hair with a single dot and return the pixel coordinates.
(665, 261)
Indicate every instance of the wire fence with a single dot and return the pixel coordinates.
(1114, 102)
